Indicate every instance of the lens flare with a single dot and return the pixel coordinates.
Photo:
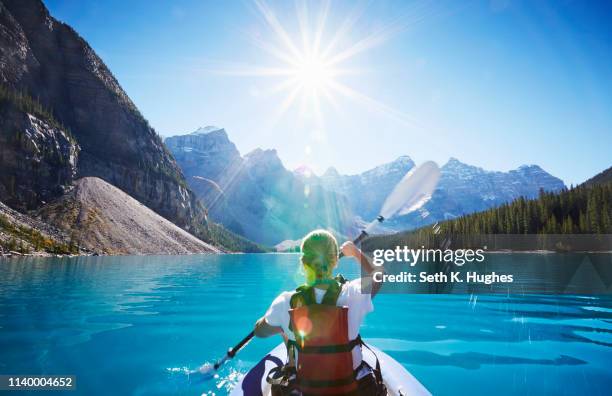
(304, 326)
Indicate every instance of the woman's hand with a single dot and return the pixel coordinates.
(367, 268)
(350, 250)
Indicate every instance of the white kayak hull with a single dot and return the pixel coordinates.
(397, 379)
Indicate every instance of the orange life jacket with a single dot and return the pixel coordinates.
(324, 358)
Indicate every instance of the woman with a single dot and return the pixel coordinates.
(320, 324)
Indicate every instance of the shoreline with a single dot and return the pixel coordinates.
(44, 255)
(14, 254)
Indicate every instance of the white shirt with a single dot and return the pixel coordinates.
(359, 305)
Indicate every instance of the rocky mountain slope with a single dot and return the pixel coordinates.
(255, 195)
(51, 62)
(602, 177)
(81, 124)
(111, 222)
(23, 235)
(37, 155)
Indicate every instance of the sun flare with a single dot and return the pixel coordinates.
(312, 64)
(313, 72)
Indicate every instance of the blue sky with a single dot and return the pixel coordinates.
(495, 83)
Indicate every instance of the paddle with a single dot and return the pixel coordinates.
(411, 193)
(208, 370)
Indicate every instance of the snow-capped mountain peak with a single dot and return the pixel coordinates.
(331, 172)
(206, 130)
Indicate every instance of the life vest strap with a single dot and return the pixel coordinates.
(326, 348)
(377, 370)
(305, 295)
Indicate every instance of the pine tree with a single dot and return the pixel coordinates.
(581, 209)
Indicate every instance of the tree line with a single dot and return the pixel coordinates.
(579, 210)
(585, 209)
(26, 103)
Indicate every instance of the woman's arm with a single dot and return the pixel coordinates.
(349, 249)
(263, 329)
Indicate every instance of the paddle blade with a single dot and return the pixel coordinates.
(412, 191)
(206, 370)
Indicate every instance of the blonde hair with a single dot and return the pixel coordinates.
(319, 255)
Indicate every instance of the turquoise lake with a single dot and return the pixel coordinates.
(134, 325)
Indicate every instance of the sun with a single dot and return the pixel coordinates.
(313, 73)
(311, 65)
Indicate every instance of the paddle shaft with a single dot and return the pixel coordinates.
(363, 234)
(357, 240)
(233, 351)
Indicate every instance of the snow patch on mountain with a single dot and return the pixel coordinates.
(206, 130)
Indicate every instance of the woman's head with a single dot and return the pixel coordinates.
(319, 255)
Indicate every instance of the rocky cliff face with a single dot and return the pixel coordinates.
(50, 61)
(213, 168)
(465, 188)
(37, 155)
(521, 181)
(255, 195)
(208, 148)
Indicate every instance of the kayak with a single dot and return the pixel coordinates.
(398, 380)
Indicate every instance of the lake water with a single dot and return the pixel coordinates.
(131, 325)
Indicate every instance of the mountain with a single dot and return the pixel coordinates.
(462, 189)
(208, 148)
(288, 246)
(255, 195)
(38, 156)
(466, 189)
(600, 178)
(367, 191)
(552, 218)
(111, 222)
(65, 116)
(212, 164)
(20, 234)
(49, 61)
